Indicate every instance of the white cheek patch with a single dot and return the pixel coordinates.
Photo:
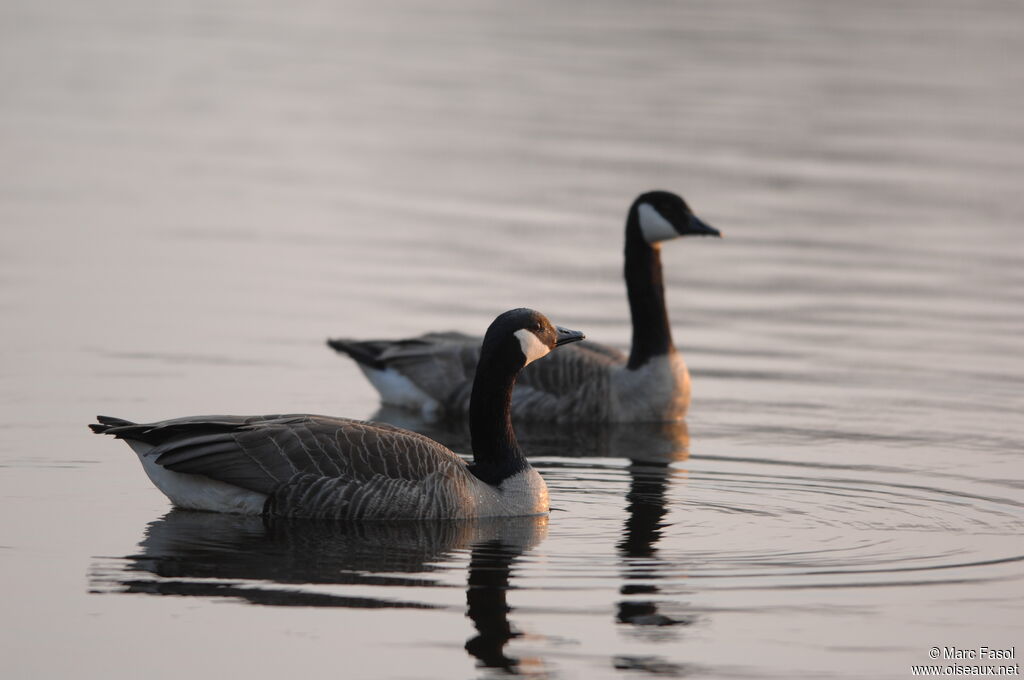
(653, 226)
(531, 345)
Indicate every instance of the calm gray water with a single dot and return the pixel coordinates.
(194, 195)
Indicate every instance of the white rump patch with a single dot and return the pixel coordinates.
(531, 345)
(397, 390)
(653, 226)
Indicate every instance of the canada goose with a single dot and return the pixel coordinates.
(337, 468)
(586, 383)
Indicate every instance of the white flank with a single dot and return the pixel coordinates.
(532, 346)
(198, 492)
(653, 226)
(659, 390)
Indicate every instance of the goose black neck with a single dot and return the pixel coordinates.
(496, 453)
(646, 290)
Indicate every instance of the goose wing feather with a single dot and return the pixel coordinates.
(570, 384)
(262, 453)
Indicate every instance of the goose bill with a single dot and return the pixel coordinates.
(565, 336)
(698, 227)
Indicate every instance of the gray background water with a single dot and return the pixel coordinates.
(193, 195)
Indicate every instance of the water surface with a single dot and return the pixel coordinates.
(193, 196)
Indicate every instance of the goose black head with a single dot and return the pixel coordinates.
(662, 215)
(527, 334)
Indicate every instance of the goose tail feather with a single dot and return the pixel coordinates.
(106, 423)
(363, 352)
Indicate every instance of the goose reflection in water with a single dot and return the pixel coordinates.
(651, 455)
(650, 448)
(659, 443)
(189, 553)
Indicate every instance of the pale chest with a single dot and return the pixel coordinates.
(657, 391)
